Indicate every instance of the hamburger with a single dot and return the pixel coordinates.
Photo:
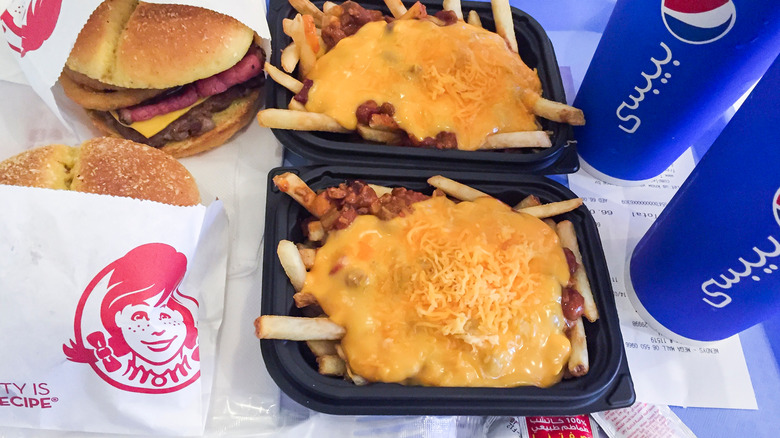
(179, 78)
(104, 165)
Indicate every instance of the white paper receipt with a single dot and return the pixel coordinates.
(664, 372)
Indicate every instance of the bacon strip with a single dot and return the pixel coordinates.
(184, 98)
(247, 68)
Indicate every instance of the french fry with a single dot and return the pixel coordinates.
(291, 184)
(304, 299)
(295, 30)
(381, 190)
(331, 365)
(323, 46)
(316, 231)
(292, 263)
(513, 140)
(297, 329)
(383, 122)
(322, 348)
(340, 351)
(327, 6)
(578, 364)
(294, 105)
(416, 11)
(455, 189)
(310, 32)
(502, 14)
(454, 6)
(396, 7)
(379, 135)
(569, 240)
(290, 57)
(435, 20)
(356, 379)
(552, 209)
(298, 121)
(528, 201)
(474, 19)
(294, 186)
(307, 8)
(307, 256)
(283, 78)
(558, 112)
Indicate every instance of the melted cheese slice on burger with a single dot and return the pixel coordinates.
(148, 128)
(456, 78)
(452, 294)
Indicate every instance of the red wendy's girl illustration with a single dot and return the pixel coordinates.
(147, 339)
(27, 24)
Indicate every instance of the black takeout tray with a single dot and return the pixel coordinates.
(607, 385)
(534, 48)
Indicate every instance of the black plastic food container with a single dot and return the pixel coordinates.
(534, 48)
(607, 385)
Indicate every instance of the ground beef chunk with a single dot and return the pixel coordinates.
(369, 109)
(571, 260)
(448, 17)
(571, 303)
(350, 200)
(397, 203)
(443, 140)
(370, 113)
(346, 20)
(303, 95)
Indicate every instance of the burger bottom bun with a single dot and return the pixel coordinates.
(107, 166)
(228, 122)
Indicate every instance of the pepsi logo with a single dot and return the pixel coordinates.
(698, 21)
(776, 206)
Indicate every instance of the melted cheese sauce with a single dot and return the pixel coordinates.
(457, 78)
(463, 294)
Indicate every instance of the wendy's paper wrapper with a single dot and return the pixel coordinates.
(109, 311)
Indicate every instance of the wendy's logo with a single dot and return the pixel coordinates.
(28, 23)
(134, 327)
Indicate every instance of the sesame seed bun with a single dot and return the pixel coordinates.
(143, 45)
(104, 165)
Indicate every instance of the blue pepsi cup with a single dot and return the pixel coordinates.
(709, 267)
(663, 72)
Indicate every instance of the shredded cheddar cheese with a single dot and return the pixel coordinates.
(456, 78)
(463, 294)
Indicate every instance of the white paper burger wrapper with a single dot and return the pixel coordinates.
(108, 315)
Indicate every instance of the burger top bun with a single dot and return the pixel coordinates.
(140, 45)
(104, 165)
